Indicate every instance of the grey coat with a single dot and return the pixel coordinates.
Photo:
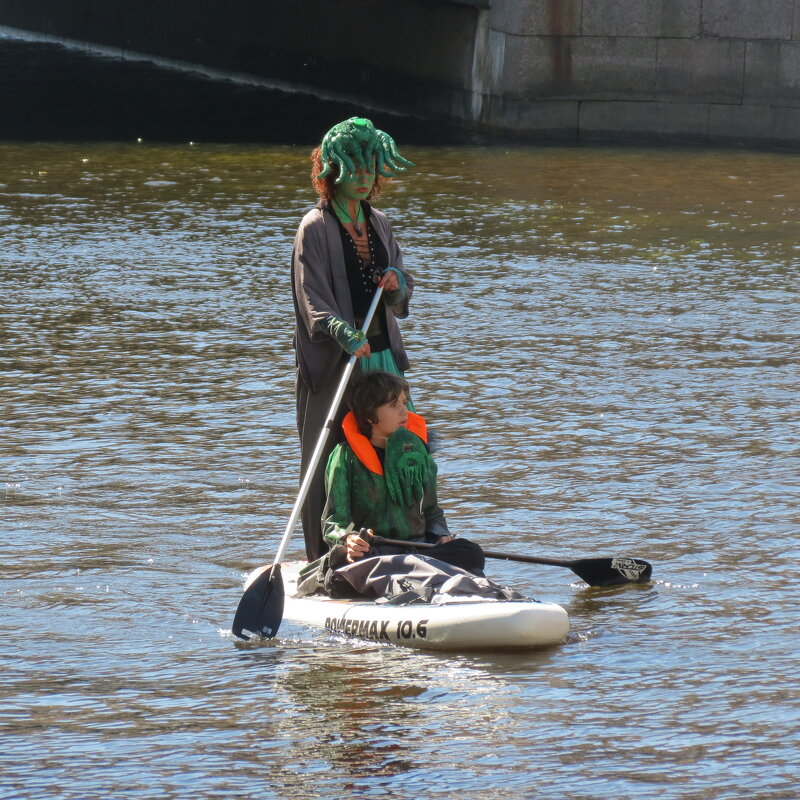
(320, 288)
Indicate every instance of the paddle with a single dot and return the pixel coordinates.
(260, 609)
(595, 571)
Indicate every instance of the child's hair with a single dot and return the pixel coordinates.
(370, 391)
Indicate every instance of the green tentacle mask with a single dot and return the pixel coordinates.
(352, 145)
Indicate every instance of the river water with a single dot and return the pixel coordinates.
(607, 341)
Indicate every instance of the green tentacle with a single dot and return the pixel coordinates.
(393, 158)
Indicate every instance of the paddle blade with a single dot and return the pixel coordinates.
(611, 571)
(260, 610)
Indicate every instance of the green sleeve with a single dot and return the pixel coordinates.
(348, 338)
(337, 520)
(398, 296)
(435, 523)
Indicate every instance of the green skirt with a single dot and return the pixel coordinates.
(383, 361)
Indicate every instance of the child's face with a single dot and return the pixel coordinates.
(390, 416)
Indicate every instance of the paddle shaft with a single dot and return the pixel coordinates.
(595, 571)
(323, 436)
(553, 562)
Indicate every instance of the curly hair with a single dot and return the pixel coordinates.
(326, 187)
(370, 390)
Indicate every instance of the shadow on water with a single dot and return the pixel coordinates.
(49, 92)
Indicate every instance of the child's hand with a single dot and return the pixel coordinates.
(356, 547)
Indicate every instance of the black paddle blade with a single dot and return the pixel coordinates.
(260, 610)
(611, 571)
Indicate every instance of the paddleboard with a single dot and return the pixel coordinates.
(463, 624)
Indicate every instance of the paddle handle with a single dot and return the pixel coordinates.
(323, 436)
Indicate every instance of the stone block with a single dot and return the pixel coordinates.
(658, 121)
(759, 126)
(546, 119)
(620, 67)
(772, 73)
(694, 70)
(488, 61)
(748, 19)
(672, 18)
(536, 17)
(755, 125)
(786, 127)
(740, 124)
(518, 118)
(527, 69)
(580, 68)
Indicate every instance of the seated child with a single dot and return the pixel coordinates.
(383, 478)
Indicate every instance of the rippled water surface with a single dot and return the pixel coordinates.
(608, 342)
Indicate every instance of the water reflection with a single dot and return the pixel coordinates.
(347, 722)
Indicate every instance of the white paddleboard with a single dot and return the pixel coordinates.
(469, 624)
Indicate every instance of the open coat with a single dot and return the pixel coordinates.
(320, 288)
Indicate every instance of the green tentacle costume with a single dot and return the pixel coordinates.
(352, 145)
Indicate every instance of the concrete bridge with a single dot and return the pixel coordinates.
(704, 71)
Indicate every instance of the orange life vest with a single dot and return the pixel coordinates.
(363, 448)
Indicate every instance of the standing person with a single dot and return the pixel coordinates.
(343, 248)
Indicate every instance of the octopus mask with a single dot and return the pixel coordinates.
(352, 145)
(408, 468)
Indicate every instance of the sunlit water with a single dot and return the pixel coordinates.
(607, 341)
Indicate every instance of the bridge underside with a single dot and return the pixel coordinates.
(706, 71)
(408, 57)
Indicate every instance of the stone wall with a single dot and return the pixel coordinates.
(698, 70)
(707, 71)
